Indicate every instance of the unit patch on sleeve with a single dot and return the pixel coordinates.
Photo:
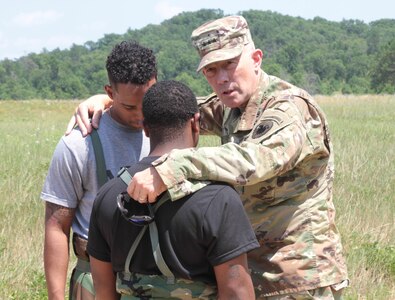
(262, 128)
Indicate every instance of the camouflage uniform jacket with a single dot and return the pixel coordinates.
(277, 151)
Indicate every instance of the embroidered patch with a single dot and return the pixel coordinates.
(262, 128)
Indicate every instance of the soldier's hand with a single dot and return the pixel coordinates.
(146, 186)
(94, 106)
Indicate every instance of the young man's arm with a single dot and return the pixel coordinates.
(233, 279)
(103, 280)
(58, 221)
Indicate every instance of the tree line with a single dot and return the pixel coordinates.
(324, 57)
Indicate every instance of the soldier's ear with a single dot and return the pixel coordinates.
(257, 56)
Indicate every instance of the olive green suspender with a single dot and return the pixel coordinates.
(99, 157)
(153, 230)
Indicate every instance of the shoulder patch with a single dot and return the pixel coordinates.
(262, 128)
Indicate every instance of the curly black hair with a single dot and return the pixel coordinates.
(167, 106)
(129, 62)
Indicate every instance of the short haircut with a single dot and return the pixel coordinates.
(167, 106)
(129, 62)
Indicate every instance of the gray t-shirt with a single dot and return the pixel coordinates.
(72, 181)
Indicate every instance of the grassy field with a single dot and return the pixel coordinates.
(363, 133)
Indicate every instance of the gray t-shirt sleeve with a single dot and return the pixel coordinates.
(63, 184)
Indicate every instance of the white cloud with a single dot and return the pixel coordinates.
(36, 18)
(165, 10)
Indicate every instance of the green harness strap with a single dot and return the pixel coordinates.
(99, 157)
(159, 260)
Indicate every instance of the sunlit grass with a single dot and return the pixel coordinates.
(363, 132)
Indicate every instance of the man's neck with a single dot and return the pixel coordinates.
(162, 149)
(181, 140)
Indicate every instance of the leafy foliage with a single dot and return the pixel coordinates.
(322, 56)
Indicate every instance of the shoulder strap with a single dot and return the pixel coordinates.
(159, 260)
(99, 157)
(153, 232)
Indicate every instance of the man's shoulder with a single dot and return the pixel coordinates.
(220, 191)
(219, 186)
(75, 139)
(106, 197)
(283, 89)
(113, 186)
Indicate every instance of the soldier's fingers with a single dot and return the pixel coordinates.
(70, 125)
(152, 196)
(83, 119)
(96, 118)
(131, 191)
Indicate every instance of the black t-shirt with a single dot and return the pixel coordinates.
(196, 232)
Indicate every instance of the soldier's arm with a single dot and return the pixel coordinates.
(58, 221)
(104, 280)
(211, 115)
(94, 106)
(274, 146)
(234, 280)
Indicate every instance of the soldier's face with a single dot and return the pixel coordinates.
(235, 80)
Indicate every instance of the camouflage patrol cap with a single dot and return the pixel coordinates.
(221, 39)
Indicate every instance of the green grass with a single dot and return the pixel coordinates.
(363, 134)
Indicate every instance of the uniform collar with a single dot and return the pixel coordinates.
(250, 111)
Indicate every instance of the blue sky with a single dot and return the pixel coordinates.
(31, 25)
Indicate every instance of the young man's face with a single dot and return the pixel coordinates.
(235, 80)
(128, 101)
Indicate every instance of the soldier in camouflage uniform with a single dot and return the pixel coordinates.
(276, 148)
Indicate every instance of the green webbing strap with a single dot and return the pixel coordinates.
(125, 175)
(99, 157)
(159, 260)
(136, 242)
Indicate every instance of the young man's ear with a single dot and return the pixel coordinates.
(195, 126)
(108, 89)
(146, 130)
(196, 122)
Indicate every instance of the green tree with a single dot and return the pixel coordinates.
(383, 75)
(319, 55)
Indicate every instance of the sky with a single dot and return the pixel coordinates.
(28, 26)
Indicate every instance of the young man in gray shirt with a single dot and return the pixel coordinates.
(72, 183)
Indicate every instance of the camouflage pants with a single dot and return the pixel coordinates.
(141, 286)
(81, 283)
(323, 293)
